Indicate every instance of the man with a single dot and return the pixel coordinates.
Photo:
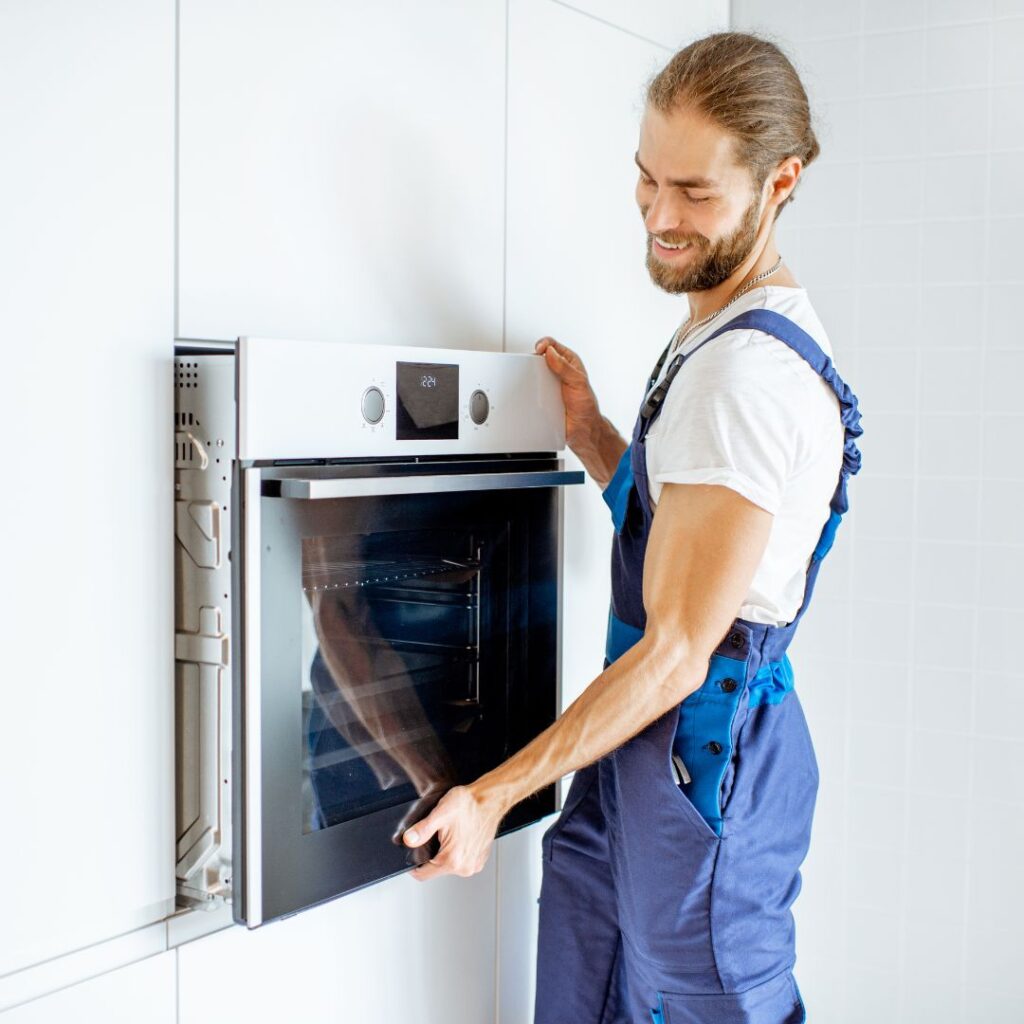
(670, 872)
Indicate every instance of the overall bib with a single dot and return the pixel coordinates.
(669, 902)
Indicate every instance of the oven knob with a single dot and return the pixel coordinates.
(479, 407)
(373, 405)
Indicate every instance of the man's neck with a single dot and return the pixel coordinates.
(705, 303)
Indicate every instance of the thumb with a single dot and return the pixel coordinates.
(420, 832)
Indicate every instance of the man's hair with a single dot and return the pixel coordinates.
(747, 86)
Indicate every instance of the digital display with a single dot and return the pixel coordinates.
(428, 401)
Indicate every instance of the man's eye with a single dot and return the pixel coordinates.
(698, 199)
(644, 180)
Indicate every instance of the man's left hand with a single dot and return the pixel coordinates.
(465, 821)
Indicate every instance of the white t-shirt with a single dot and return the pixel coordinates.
(748, 412)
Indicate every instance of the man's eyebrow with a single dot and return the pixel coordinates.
(679, 182)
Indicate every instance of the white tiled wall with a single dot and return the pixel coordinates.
(906, 233)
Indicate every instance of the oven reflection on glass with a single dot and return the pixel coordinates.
(393, 706)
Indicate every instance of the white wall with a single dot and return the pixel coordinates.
(907, 236)
(86, 619)
(343, 171)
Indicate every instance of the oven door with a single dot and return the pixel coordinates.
(400, 635)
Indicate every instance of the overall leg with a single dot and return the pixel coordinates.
(578, 946)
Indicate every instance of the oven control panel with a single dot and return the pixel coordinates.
(308, 400)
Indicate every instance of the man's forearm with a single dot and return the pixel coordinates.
(634, 691)
(601, 450)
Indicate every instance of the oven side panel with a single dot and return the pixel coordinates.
(204, 425)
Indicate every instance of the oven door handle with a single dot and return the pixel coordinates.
(378, 486)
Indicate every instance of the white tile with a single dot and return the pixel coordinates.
(893, 62)
(955, 186)
(873, 877)
(937, 821)
(1004, 262)
(956, 121)
(1001, 502)
(996, 888)
(1007, 175)
(993, 961)
(947, 510)
(891, 190)
(999, 703)
(997, 627)
(877, 815)
(890, 317)
(830, 68)
(933, 955)
(882, 629)
(893, 126)
(940, 762)
(871, 994)
(890, 254)
(999, 768)
(1007, 121)
(945, 11)
(828, 256)
(943, 636)
(669, 24)
(1002, 576)
(953, 251)
(885, 14)
(873, 938)
(839, 127)
(877, 754)
(947, 573)
(951, 383)
(1008, 45)
(1000, 449)
(888, 447)
(881, 569)
(879, 691)
(990, 1005)
(951, 316)
(949, 445)
(958, 56)
(1005, 327)
(830, 194)
(883, 507)
(1003, 392)
(942, 699)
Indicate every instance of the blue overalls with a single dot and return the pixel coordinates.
(669, 902)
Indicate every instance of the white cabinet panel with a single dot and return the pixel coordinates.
(668, 22)
(144, 991)
(342, 170)
(576, 251)
(86, 621)
(396, 951)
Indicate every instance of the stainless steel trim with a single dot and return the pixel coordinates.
(253, 745)
(361, 487)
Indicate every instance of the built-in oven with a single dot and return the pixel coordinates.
(369, 597)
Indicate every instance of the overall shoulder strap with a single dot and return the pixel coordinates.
(768, 321)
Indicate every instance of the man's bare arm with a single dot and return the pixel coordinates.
(705, 545)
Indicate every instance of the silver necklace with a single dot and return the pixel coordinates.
(678, 340)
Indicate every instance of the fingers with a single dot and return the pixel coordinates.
(419, 833)
(561, 360)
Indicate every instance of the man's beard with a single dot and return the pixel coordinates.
(711, 264)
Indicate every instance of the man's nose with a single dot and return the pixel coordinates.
(662, 215)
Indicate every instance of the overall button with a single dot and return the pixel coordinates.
(714, 747)
(728, 685)
(736, 640)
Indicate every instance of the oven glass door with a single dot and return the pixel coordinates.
(405, 643)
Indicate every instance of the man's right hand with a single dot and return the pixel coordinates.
(590, 435)
(582, 414)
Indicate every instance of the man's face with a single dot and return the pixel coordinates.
(693, 194)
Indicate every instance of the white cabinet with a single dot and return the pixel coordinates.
(399, 950)
(86, 314)
(143, 991)
(576, 250)
(342, 171)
